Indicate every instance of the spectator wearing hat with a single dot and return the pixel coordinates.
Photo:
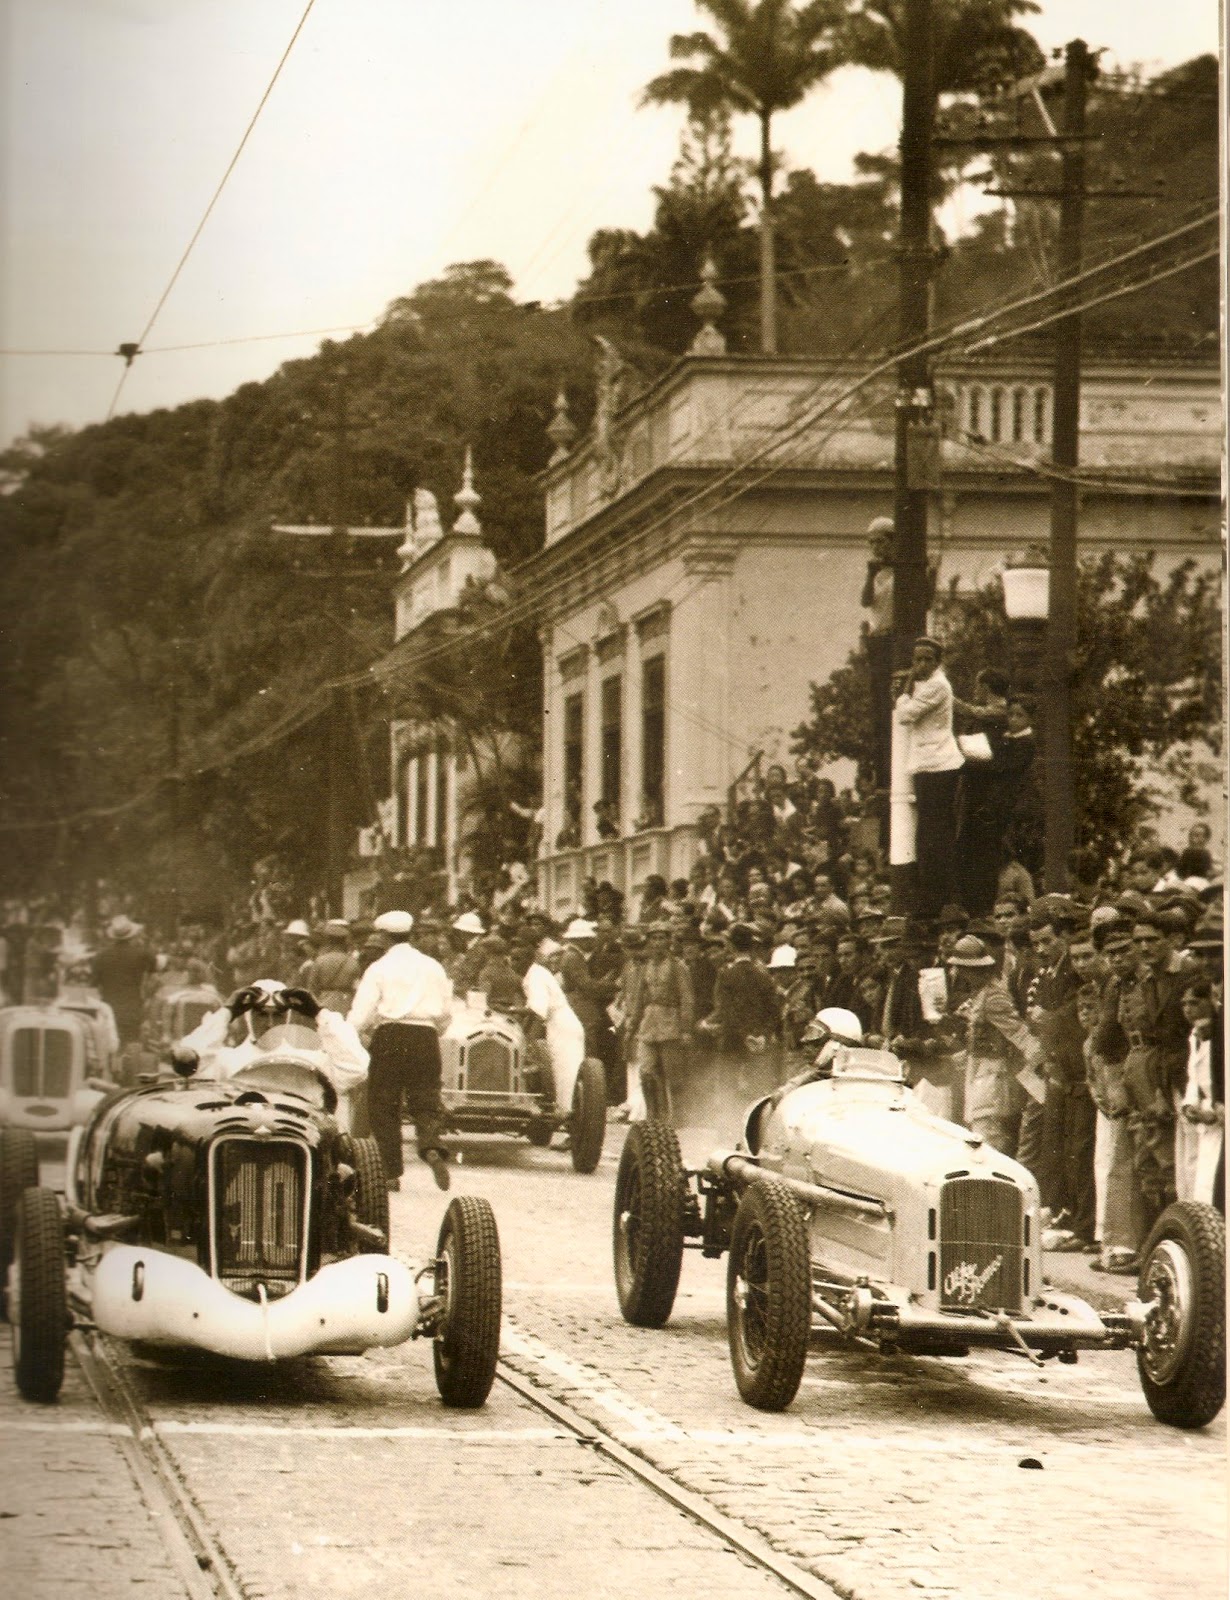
(1113, 1178)
(1057, 1144)
(660, 1021)
(745, 1022)
(332, 975)
(933, 760)
(584, 993)
(999, 1047)
(121, 968)
(295, 953)
(605, 964)
(905, 949)
(465, 958)
(1143, 1024)
(403, 1003)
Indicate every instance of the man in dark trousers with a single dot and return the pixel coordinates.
(402, 1005)
(120, 970)
(905, 948)
(746, 1017)
(1062, 1158)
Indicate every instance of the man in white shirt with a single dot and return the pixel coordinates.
(403, 1003)
(934, 761)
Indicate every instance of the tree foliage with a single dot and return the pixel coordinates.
(1146, 690)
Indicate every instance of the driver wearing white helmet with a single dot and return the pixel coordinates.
(241, 1032)
(830, 1029)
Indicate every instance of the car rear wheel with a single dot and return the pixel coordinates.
(588, 1126)
(372, 1192)
(467, 1341)
(1182, 1359)
(18, 1172)
(38, 1301)
(649, 1199)
(768, 1296)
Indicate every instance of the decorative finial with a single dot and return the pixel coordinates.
(467, 499)
(708, 303)
(561, 430)
(427, 529)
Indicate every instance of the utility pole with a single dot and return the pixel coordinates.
(913, 435)
(1065, 454)
(339, 554)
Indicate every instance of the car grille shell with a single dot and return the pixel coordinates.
(260, 1195)
(982, 1245)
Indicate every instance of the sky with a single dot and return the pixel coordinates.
(401, 135)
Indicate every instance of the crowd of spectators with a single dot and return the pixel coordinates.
(1081, 1033)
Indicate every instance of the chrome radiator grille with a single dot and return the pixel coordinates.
(260, 1193)
(981, 1245)
(490, 1067)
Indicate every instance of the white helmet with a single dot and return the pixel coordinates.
(835, 1023)
(469, 922)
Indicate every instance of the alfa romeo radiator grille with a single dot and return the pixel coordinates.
(489, 1067)
(259, 1192)
(980, 1245)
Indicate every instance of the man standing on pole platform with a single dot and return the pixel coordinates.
(402, 1005)
(933, 759)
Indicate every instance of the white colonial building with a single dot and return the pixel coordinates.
(706, 546)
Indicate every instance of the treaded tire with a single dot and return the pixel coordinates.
(650, 1189)
(588, 1123)
(40, 1326)
(768, 1296)
(18, 1172)
(467, 1345)
(372, 1192)
(1182, 1362)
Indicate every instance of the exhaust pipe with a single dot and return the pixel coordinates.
(742, 1170)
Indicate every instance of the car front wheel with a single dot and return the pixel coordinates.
(468, 1282)
(38, 1301)
(768, 1296)
(18, 1172)
(649, 1201)
(371, 1192)
(1182, 1358)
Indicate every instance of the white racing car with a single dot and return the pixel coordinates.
(847, 1205)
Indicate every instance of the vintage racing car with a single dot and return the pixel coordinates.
(55, 1060)
(235, 1215)
(496, 1080)
(849, 1206)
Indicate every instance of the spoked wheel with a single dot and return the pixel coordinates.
(372, 1196)
(588, 1125)
(650, 1190)
(468, 1282)
(37, 1298)
(1182, 1359)
(768, 1296)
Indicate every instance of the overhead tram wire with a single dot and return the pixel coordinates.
(200, 227)
(310, 706)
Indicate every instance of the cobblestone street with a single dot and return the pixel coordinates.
(888, 1477)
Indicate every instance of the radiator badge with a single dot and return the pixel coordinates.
(965, 1283)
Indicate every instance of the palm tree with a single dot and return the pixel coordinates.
(770, 54)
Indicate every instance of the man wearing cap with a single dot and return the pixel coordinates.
(934, 761)
(120, 970)
(331, 976)
(998, 1044)
(402, 1005)
(660, 1022)
(905, 949)
(583, 992)
(746, 1018)
(1143, 1024)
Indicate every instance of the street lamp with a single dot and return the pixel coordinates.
(1026, 580)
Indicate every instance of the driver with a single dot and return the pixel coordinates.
(830, 1028)
(240, 1033)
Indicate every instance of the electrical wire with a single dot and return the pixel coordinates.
(216, 196)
